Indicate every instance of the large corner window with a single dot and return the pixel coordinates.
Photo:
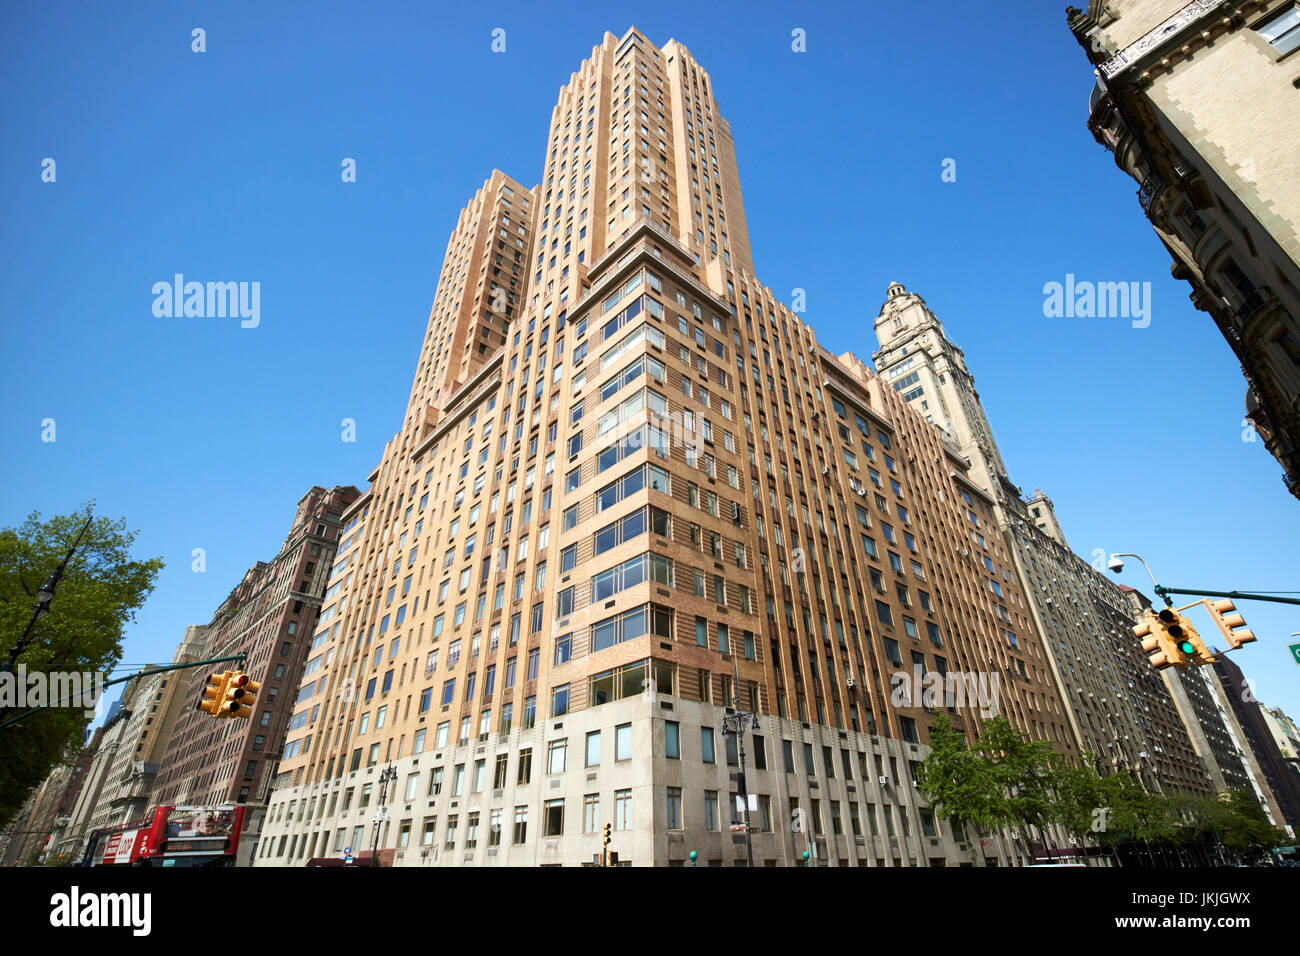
(1283, 32)
(630, 680)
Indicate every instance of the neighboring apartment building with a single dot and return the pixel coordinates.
(1277, 776)
(146, 730)
(653, 497)
(1285, 734)
(28, 834)
(1287, 737)
(80, 769)
(1197, 102)
(269, 616)
(101, 781)
(1119, 709)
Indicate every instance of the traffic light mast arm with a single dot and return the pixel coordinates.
(118, 680)
(1163, 591)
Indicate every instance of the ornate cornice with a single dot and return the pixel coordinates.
(1176, 25)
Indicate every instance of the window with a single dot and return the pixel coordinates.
(553, 818)
(499, 771)
(631, 573)
(672, 742)
(521, 826)
(647, 619)
(674, 808)
(1283, 32)
(623, 742)
(631, 680)
(706, 744)
(711, 810)
(556, 755)
(629, 527)
(622, 809)
(560, 700)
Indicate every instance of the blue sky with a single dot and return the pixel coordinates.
(225, 165)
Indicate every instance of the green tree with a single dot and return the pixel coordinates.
(1235, 820)
(1023, 771)
(101, 589)
(959, 785)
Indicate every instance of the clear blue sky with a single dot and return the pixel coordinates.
(225, 166)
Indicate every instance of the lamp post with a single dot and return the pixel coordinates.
(1116, 565)
(381, 815)
(738, 723)
(43, 598)
(694, 857)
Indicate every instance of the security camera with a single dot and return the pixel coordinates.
(1115, 564)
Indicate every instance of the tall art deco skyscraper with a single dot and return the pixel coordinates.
(630, 491)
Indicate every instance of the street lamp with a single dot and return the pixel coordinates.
(43, 598)
(694, 857)
(738, 723)
(381, 815)
(1117, 566)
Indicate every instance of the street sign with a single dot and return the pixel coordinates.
(1295, 652)
(347, 851)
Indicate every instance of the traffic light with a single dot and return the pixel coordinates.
(1160, 650)
(606, 835)
(1185, 639)
(213, 694)
(239, 696)
(1169, 639)
(1226, 621)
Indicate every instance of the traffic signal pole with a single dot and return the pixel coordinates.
(119, 680)
(1164, 592)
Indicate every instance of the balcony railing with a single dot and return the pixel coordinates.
(1170, 28)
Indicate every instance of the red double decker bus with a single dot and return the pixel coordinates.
(170, 836)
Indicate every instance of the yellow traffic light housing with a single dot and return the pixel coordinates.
(1184, 638)
(1221, 613)
(237, 701)
(245, 695)
(1159, 649)
(1170, 640)
(213, 694)
(606, 833)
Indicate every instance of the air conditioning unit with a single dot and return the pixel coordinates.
(826, 471)
(851, 682)
(884, 781)
(862, 492)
